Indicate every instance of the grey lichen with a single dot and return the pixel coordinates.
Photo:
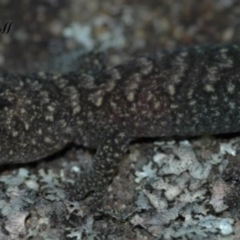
(180, 193)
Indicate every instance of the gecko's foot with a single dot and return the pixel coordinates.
(87, 184)
(95, 196)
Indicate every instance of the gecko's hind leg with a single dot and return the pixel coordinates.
(105, 164)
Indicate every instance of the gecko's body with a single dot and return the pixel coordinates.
(188, 92)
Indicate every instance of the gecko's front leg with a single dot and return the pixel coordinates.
(105, 164)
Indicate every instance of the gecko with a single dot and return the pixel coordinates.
(185, 92)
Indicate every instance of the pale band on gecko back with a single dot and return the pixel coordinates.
(186, 92)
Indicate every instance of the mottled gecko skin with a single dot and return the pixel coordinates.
(187, 92)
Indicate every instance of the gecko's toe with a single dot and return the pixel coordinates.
(94, 201)
(76, 192)
(83, 187)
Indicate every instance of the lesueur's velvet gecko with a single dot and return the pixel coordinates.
(185, 92)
